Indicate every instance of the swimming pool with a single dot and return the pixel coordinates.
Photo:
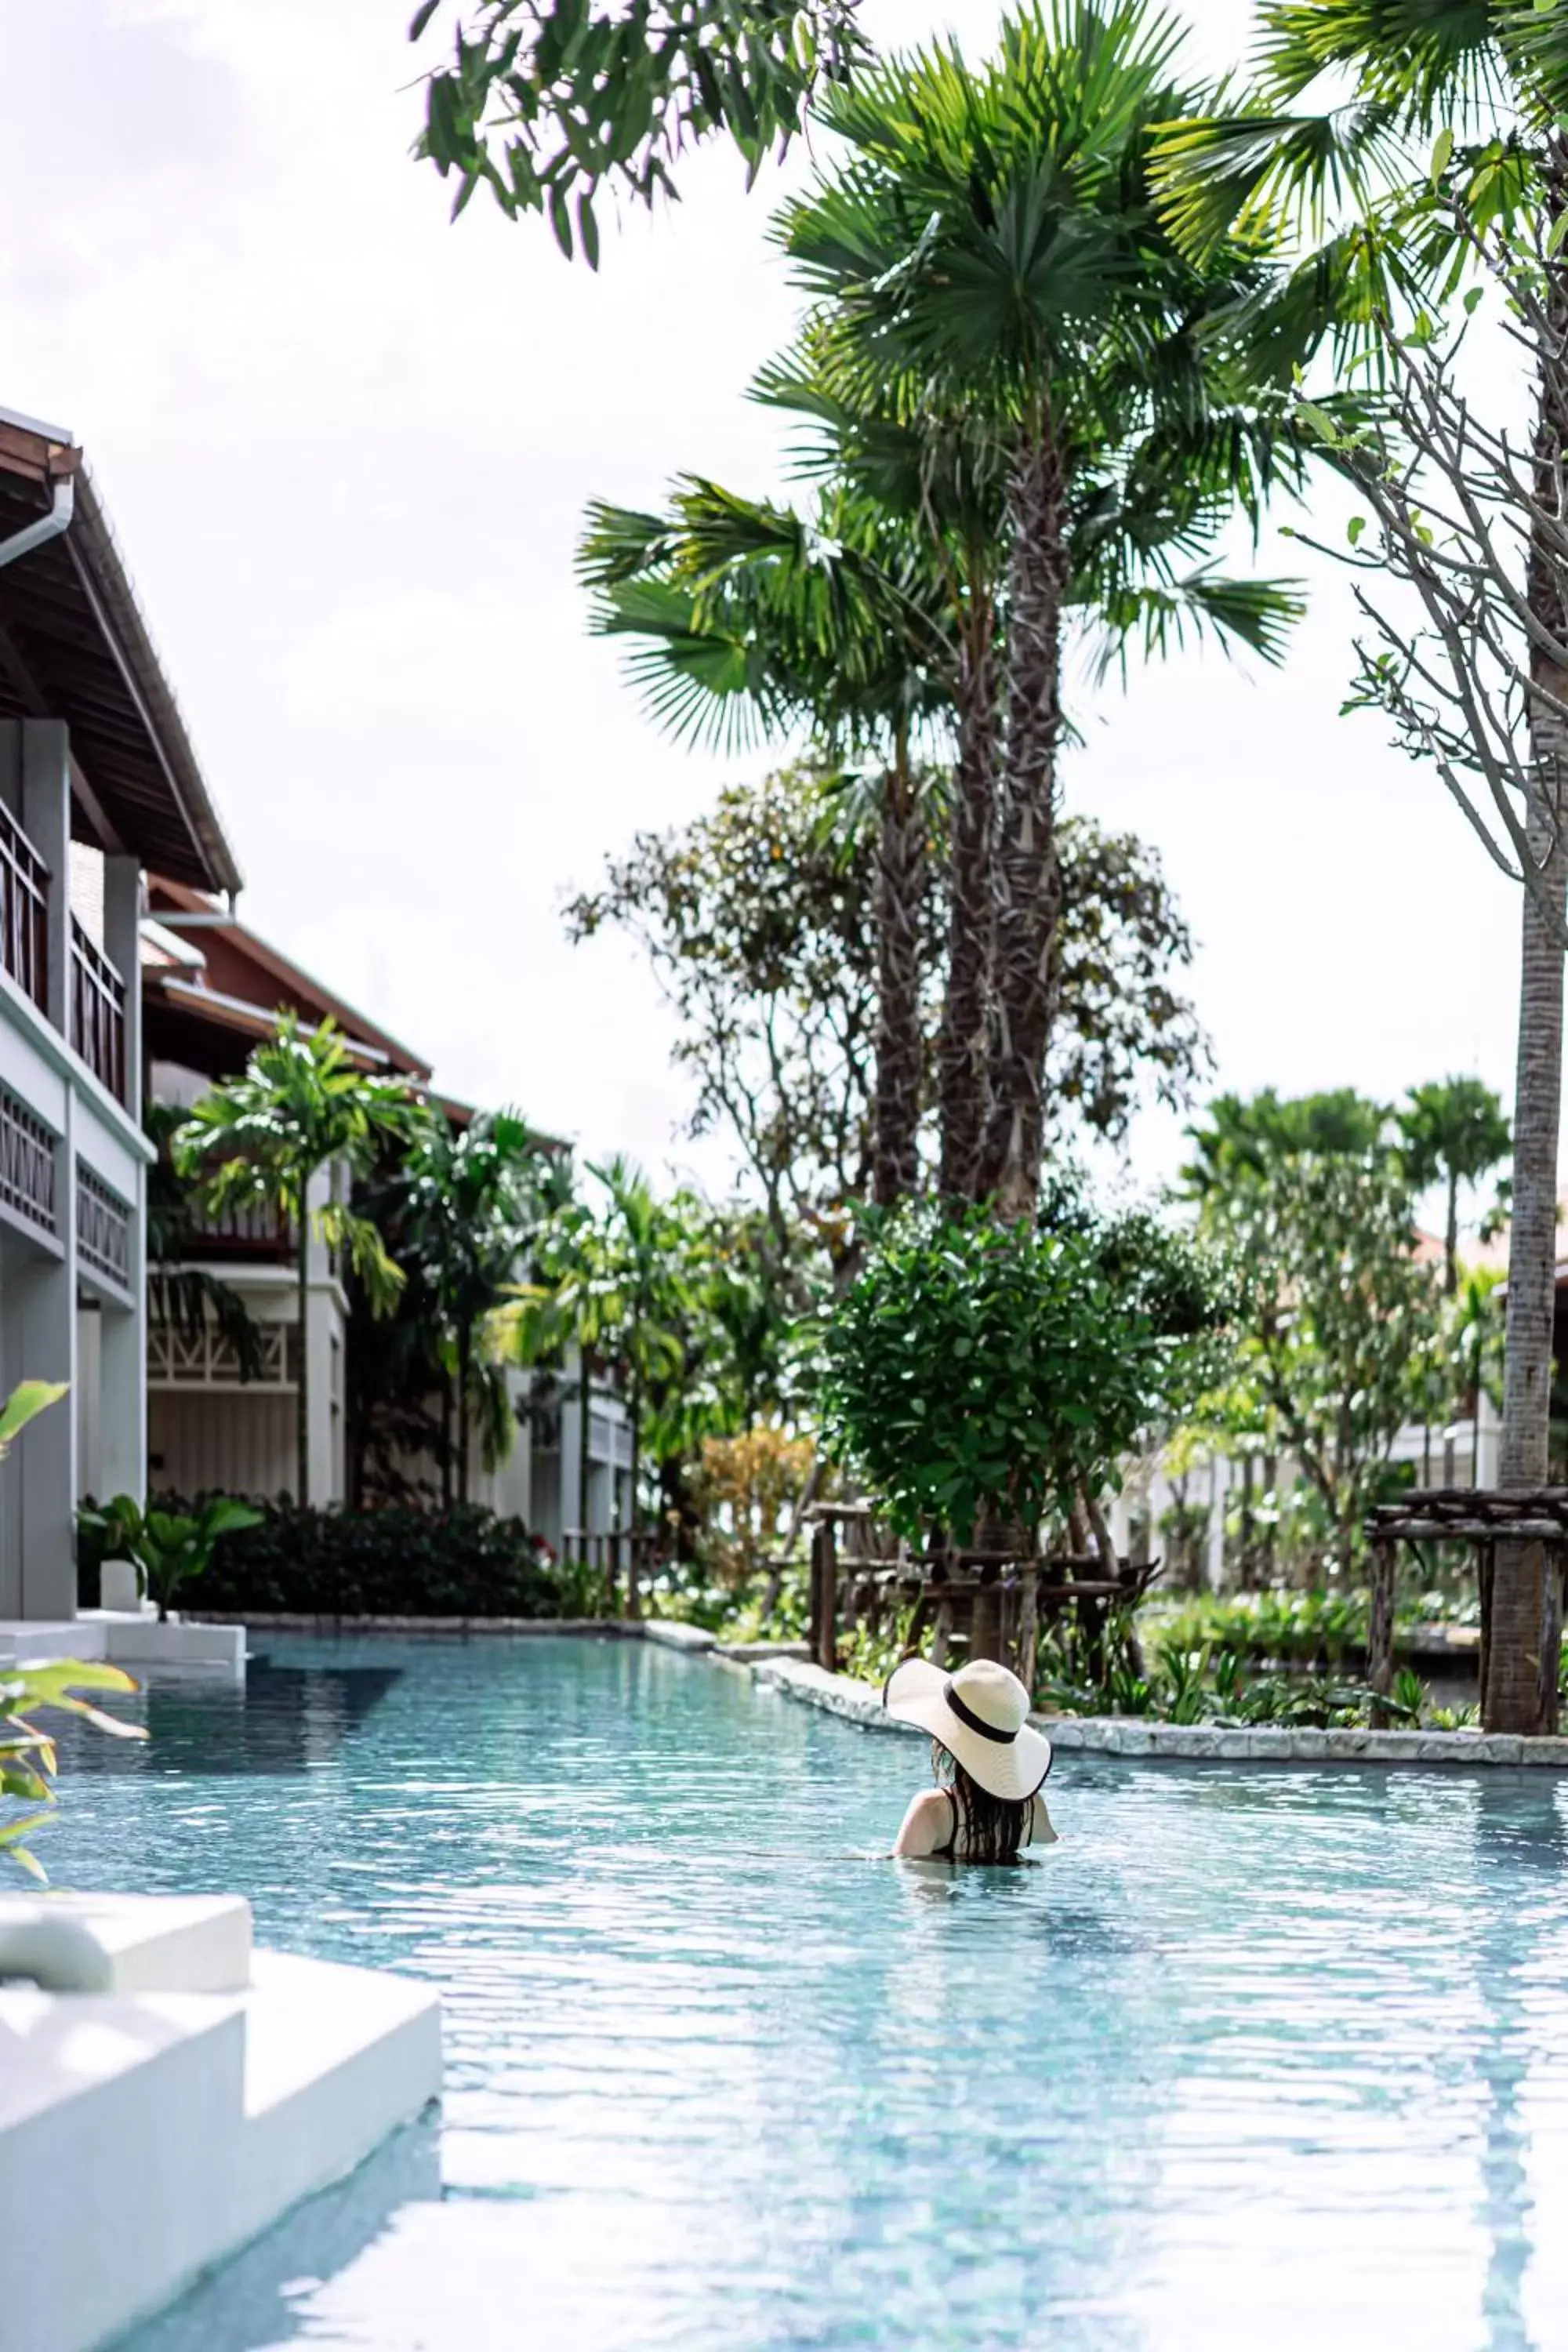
(1252, 2058)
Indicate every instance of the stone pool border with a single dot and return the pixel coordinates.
(793, 1676)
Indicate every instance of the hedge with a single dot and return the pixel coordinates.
(388, 1563)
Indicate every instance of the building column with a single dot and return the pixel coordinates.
(39, 1342)
(46, 821)
(573, 1502)
(122, 946)
(122, 1387)
(324, 1362)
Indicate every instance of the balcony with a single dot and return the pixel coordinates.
(24, 911)
(261, 1234)
(96, 1012)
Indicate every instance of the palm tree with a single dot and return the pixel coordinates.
(873, 619)
(1468, 96)
(472, 1203)
(301, 1105)
(752, 614)
(1454, 1133)
(991, 247)
(614, 1280)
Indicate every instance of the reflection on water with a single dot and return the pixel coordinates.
(1251, 2058)
(290, 1719)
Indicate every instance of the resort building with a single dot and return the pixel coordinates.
(97, 783)
(211, 988)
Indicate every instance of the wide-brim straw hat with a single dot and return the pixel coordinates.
(981, 1714)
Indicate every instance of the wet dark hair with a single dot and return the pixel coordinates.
(993, 1829)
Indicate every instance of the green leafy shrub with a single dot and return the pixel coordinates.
(979, 1368)
(169, 1548)
(467, 1562)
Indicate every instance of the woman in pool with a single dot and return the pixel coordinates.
(990, 1767)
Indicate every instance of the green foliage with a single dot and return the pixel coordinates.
(392, 1563)
(1453, 1133)
(26, 1401)
(468, 1202)
(1341, 1319)
(548, 102)
(979, 1368)
(1245, 1137)
(29, 1761)
(754, 918)
(1218, 1687)
(170, 1548)
(301, 1104)
(186, 1297)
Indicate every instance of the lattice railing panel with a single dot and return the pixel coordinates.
(26, 1164)
(102, 1229)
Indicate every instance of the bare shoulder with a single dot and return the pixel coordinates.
(1041, 1829)
(927, 1825)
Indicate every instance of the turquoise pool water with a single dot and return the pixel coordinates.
(1251, 2059)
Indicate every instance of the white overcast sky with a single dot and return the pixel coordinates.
(347, 445)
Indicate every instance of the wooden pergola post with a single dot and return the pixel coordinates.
(1380, 1631)
(824, 1596)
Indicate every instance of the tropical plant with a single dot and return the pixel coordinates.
(1454, 1134)
(752, 917)
(186, 1297)
(398, 1562)
(28, 1763)
(168, 1549)
(615, 1282)
(1341, 1317)
(749, 1490)
(984, 1371)
(990, 246)
(302, 1106)
(472, 1199)
(748, 612)
(546, 101)
(1440, 132)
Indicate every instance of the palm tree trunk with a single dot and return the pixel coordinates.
(1521, 1672)
(1525, 1636)
(302, 1393)
(446, 1439)
(900, 884)
(1451, 1237)
(964, 1077)
(1027, 878)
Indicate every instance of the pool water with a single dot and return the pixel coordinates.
(1252, 2058)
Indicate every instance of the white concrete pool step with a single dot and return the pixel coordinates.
(128, 1638)
(146, 2134)
(126, 1943)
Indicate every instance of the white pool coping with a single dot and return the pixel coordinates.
(128, 1638)
(1096, 1735)
(150, 2129)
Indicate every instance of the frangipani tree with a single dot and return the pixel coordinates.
(302, 1104)
(1407, 149)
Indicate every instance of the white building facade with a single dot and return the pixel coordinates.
(97, 781)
